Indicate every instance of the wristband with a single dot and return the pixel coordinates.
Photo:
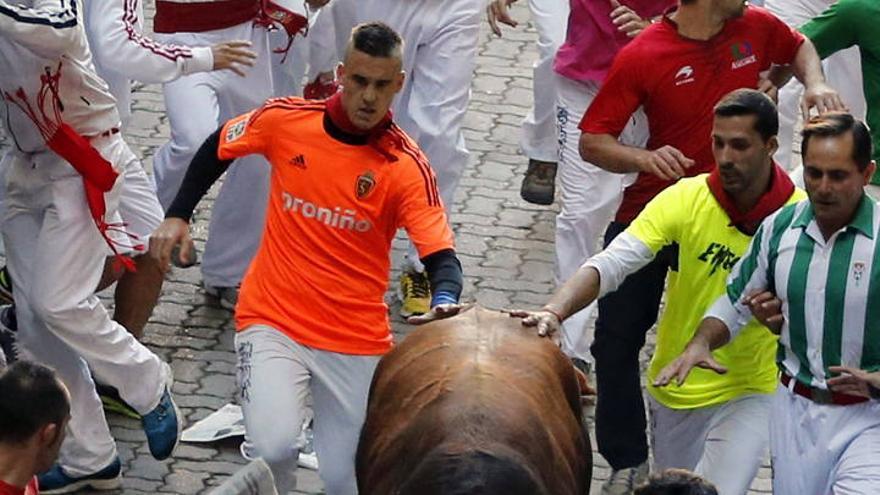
(443, 297)
(874, 392)
(554, 313)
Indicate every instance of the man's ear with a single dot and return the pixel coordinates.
(49, 434)
(869, 171)
(772, 145)
(400, 80)
(340, 72)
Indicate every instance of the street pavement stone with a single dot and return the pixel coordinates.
(506, 247)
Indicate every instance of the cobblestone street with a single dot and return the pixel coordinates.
(504, 243)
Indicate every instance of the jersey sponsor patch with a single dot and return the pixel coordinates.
(236, 130)
(742, 55)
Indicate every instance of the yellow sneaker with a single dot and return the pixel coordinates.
(414, 293)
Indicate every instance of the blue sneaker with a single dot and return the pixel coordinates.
(56, 481)
(163, 426)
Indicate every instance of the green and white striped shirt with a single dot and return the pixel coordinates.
(830, 291)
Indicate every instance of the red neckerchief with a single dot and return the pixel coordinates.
(374, 135)
(781, 188)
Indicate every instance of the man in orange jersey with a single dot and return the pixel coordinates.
(311, 314)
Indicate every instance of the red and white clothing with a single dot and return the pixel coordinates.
(239, 210)
(589, 196)
(54, 251)
(30, 489)
(678, 81)
(122, 53)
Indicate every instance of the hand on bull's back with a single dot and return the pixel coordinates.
(545, 321)
(438, 312)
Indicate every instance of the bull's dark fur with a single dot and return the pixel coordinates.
(474, 405)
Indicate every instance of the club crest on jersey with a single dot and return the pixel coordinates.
(858, 271)
(742, 55)
(236, 130)
(365, 184)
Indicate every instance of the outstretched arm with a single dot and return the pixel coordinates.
(206, 167)
(712, 334)
(601, 274)
(445, 276)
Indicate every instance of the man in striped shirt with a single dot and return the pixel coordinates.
(822, 259)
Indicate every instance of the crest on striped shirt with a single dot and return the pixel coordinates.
(858, 271)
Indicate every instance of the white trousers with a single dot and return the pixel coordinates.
(725, 443)
(843, 71)
(822, 449)
(197, 105)
(589, 198)
(275, 374)
(439, 60)
(56, 257)
(539, 140)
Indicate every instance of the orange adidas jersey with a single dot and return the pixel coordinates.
(321, 271)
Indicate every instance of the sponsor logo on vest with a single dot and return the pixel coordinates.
(335, 217)
(365, 184)
(718, 255)
(684, 75)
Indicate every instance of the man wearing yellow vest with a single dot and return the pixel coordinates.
(716, 425)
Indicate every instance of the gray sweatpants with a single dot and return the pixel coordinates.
(275, 374)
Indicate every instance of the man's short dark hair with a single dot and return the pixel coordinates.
(676, 482)
(751, 102)
(833, 124)
(31, 397)
(376, 39)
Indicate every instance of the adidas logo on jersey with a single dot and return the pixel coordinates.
(335, 218)
(298, 161)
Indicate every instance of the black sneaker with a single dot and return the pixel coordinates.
(539, 183)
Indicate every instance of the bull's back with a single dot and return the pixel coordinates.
(474, 399)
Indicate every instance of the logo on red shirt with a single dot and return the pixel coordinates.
(684, 75)
(742, 55)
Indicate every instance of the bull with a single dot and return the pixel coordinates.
(474, 404)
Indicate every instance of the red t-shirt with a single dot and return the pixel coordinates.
(30, 489)
(678, 81)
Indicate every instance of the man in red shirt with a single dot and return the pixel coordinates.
(34, 410)
(312, 316)
(676, 70)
